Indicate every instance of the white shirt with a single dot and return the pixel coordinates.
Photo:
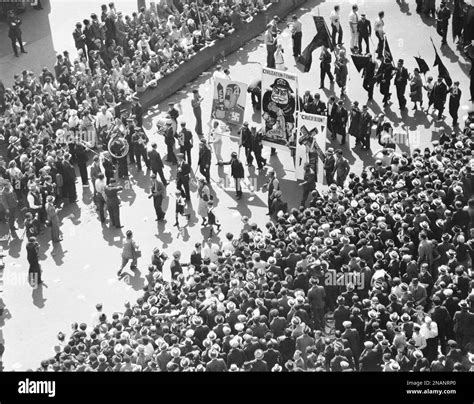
(295, 26)
(104, 119)
(429, 332)
(378, 25)
(334, 17)
(227, 246)
(353, 19)
(218, 74)
(420, 340)
(100, 186)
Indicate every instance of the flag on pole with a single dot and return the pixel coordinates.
(360, 61)
(442, 71)
(387, 54)
(321, 38)
(422, 65)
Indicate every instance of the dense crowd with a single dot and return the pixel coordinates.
(388, 260)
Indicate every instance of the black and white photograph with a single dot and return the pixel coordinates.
(272, 186)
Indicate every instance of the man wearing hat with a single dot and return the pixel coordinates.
(295, 27)
(237, 173)
(185, 142)
(113, 202)
(270, 43)
(401, 80)
(316, 299)
(329, 164)
(14, 32)
(246, 142)
(156, 163)
(439, 93)
(365, 31)
(170, 142)
(442, 21)
(309, 183)
(182, 176)
(454, 100)
(341, 168)
(204, 162)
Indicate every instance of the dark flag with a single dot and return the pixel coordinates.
(360, 61)
(387, 54)
(422, 65)
(442, 71)
(322, 38)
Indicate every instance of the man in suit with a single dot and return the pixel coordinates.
(113, 202)
(158, 193)
(306, 102)
(185, 142)
(368, 77)
(354, 126)
(341, 168)
(139, 141)
(401, 80)
(316, 298)
(330, 107)
(418, 293)
(182, 176)
(79, 39)
(329, 164)
(352, 336)
(196, 104)
(365, 31)
(246, 142)
(339, 121)
(156, 163)
(309, 183)
(325, 65)
(365, 128)
(204, 162)
(439, 94)
(14, 32)
(319, 107)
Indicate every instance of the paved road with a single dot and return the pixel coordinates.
(81, 271)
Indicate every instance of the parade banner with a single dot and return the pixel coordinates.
(229, 100)
(311, 144)
(279, 95)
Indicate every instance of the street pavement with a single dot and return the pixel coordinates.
(81, 271)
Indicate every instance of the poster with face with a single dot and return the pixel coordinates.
(280, 92)
(311, 144)
(229, 100)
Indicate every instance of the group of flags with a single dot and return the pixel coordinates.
(360, 61)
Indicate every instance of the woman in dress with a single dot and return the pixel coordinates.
(341, 71)
(416, 85)
(53, 219)
(204, 197)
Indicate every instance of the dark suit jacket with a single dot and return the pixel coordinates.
(155, 160)
(183, 172)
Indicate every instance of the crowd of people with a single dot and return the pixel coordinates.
(372, 276)
(388, 259)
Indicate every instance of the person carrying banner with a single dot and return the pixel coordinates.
(364, 29)
(246, 142)
(440, 91)
(401, 80)
(325, 65)
(442, 21)
(336, 25)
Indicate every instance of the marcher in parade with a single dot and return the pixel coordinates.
(156, 163)
(454, 100)
(364, 30)
(296, 35)
(113, 202)
(401, 81)
(196, 105)
(237, 173)
(130, 251)
(336, 28)
(325, 65)
(416, 86)
(204, 162)
(158, 193)
(205, 196)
